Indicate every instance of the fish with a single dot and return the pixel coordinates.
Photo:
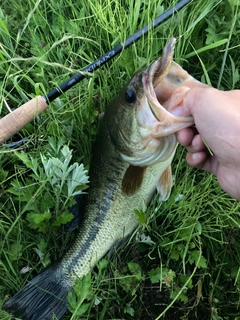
(132, 157)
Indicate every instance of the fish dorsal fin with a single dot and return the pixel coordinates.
(165, 183)
(132, 179)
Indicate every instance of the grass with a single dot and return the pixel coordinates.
(185, 263)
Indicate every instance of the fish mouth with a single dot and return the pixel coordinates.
(165, 85)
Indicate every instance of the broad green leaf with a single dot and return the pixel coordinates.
(194, 258)
(62, 218)
(155, 275)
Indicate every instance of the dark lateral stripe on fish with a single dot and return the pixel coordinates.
(117, 188)
(93, 231)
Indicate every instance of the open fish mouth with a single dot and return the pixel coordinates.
(165, 85)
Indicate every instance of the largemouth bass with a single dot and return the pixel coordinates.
(132, 158)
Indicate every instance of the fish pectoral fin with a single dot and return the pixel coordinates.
(165, 183)
(132, 179)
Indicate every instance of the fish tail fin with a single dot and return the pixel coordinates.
(43, 297)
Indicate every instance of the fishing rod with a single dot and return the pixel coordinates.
(20, 117)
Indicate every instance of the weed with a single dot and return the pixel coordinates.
(183, 260)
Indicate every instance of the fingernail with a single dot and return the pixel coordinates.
(195, 156)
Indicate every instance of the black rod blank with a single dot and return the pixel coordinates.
(55, 93)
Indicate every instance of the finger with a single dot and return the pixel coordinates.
(196, 145)
(185, 136)
(203, 160)
(197, 159)
(211, 164)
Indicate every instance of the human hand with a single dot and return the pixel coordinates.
(217, 121)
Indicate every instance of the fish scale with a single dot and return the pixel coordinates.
(131, 158)
(115, 217)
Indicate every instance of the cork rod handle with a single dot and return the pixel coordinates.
(19, 118)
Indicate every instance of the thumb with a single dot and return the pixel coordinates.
(192, 100)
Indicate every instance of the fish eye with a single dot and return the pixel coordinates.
(130, 95)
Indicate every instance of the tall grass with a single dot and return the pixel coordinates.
(185, 261)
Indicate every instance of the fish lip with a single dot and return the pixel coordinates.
(149, 90)
(151, 81)
(167, 122)
(150, 93)
(165, 84)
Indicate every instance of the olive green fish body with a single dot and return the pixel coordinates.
(131, 159)
(109, 215)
